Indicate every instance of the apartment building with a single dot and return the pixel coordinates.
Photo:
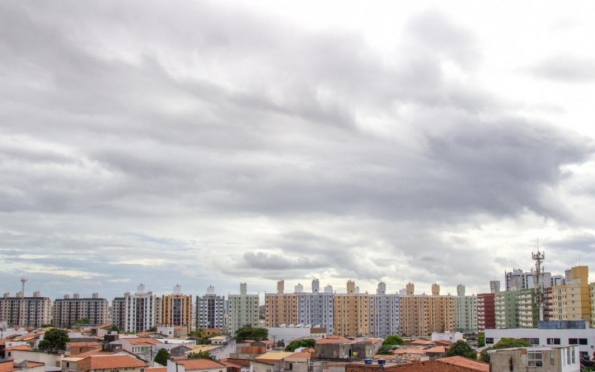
(176, 309)
(67, 311)
(25, 311)
(527, 308)
(571, 301)
(465, 312)
(351, 312)
(210, 310)
(486, 316)
(136, 312)
(505, 310)
(281, 308)
(316, 308)
(384, 313)
(420, 315)
(243, 309)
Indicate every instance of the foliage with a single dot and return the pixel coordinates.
(481, 339)
(114, 328)
(46, 326)
(385, 350)
(281, 343)
(82, 321)
(247, 332)
(162, 357)
(295, 344)
(54, 340)
(152, 329)
(199, 355)
(461, 348)
(504, 343)
(393, 340)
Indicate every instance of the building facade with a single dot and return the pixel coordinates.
(25, 311)
(210, 310)
(243, 309)
(136, 312)
(176, 309)
(68, 311)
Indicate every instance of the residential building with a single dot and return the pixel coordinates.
(176, 309)
(110, 363)
(486, 317)
(465, 312)
(139, 311)
(315, 308)
(210, 310)
(494, 286)
(505, 310)
(243, 309)
(420, 315)
(546, 359)
(351, 312)
(189, 365)
(25, 311)
(527, 309)
(384, 313)
(118, 312)
(571, 301)
(280, 308)
(68, 311)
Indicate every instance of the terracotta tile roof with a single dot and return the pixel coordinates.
(467, 363)
(334, 340)
(241, 362)
(7, 366)
(300, 355)
(274, 356)
(114, 362)
(83, 344)
(436, 349)
(141, 341)
(103, 326)
(420, 342)
(31, 364)
(19, 348)
(230, 365)
(409, 351)
(96, 351)
(156, 369)
(194, 364)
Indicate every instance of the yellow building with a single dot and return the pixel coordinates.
(571, 301)
(420, 315)
(176, 309)
(280, 308)
(351, 312)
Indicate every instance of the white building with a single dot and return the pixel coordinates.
(243, 309)
(210, 310)
(315, 308)
(288, 334)
(465, 317)
(140, 310)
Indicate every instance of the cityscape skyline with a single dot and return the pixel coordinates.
(215, 143)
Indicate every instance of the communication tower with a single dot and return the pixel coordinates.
(539, 257)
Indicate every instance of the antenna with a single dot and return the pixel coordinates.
(539, 257)
(24, 280)
(22, 302)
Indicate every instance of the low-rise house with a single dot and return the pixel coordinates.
(189, 365)
(73, 348)
(452, 364)
(145, 346)
(110, 363)
(274, 359)
(536, 359)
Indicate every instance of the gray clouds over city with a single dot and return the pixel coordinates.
(213, 143)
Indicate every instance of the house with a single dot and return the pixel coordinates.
(273, 361)
(452, 364)
(188, 365)
(110, 363)
(536, 359)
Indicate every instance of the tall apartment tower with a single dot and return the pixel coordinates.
(176, 309)
(243, 309)
(68, 310)
(119, 312)
(486, 317)
(465, 309)
(420, 315)
(351, 312)
(494, 286)
(210, 310)
(280, 308)
(315, 308)
(571, 300)
(384, 313)
(25, 311)
(141, 310)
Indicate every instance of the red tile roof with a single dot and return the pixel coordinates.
(194, 364)
(156, 369)
(19, 348)
(467, 363)
(114, 362)
(334, 340)
(96, 351)
(141, 341)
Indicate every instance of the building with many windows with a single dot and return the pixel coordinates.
(68, 311)
(136, 312)
(210, 310)
(243, 309)
(176, 309)
(384, 312)
(465, 312)
(25, 311)
(421, 315)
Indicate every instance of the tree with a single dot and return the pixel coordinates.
(385, 350)
(247, 332)
(54, 340)
(504, 343)
(115, 328)
(83, 321)
(162, 357)
(461, 348)
(280, 343)
(200, 355)
(152, 329)
(393, 340)
(295, 344)
(481, 339)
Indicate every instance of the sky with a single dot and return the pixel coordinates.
(218, 142)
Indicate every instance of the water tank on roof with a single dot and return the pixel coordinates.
(368, 361)
(382, 361)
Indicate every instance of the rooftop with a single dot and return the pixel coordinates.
(467, 363)
(195, 364)
(114, 362)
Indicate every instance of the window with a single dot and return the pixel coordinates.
(489, 340)
(535, 358)
(553, 341)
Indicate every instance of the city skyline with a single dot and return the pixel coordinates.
(216, 143)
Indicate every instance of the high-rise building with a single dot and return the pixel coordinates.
(68, 311)
(315, 308)
(465, 308)
(384, 313)
(139, 311)
(281, 308)
(25, 311)
(176, 309)
(351, 312)
(571, 301)
(420, 315)
(210, 310)
(506, 310)
(486, 317)
(243, 309)
(527, 308)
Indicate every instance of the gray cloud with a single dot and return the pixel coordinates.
(566, 67)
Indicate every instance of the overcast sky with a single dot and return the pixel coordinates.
(213, 143)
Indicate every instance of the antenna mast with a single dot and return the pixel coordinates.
(539, 257)
(22, 302)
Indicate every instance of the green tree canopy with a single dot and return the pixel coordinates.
(82, 321)
(54, 340)
(162, 357)
(295, 344)
(461, 348)
(481, 339)
(504, 343)
(393, 340)
(247, 332)
(114, 328)
(385, 350)
(199, 355)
